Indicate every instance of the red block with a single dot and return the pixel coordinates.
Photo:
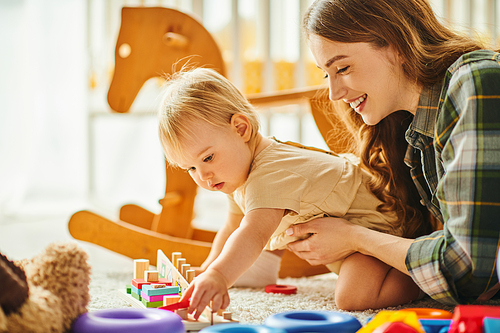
(469, 318)
(397, 327)
(138, 283)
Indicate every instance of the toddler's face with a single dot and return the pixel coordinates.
(217, 158)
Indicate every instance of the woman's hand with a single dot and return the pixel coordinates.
(330, 240)
(209, 286)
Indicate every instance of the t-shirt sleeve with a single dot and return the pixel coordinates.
(280, 189)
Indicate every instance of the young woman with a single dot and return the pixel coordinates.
(389, 55)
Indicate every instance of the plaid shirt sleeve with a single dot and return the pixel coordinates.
(457, 264)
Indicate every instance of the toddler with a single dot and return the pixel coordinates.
(209, 129)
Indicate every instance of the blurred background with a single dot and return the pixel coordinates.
(62, 149)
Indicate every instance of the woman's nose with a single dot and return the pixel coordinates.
(336, 90)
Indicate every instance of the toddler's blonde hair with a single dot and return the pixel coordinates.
(199, 94)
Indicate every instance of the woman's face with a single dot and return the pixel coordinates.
(369, 79)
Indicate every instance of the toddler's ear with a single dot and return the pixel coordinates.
(242, 126)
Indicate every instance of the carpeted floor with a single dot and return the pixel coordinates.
(250, 305)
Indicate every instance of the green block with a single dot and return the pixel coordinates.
(152, 304)
(129, 288)
(134, 295)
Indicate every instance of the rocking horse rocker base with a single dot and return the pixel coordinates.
(136, 241)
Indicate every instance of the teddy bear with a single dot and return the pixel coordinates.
(46, 293)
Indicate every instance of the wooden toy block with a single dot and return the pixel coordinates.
(182, 313)
(151, 276)
(175, 256)
(135, 290)
(170, 299)
(138, 283)
(128, 287)
(184, 269)
(180, 262)
(227, 315)
(189, 275)
(152, 298)
(151, 304)
(158, 285)
(140, 265)
(136, 296)
(169, 290)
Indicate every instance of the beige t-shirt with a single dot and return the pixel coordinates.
(308, 184)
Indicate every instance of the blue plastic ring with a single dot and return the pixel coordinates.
(314, 321)
(129, 320)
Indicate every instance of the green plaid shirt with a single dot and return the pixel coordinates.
(454, 158)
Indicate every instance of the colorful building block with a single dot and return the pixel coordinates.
(136, 296)
(154, 298)
(469, 318)
(138, 283)
(140, 265)
(409, 318)
(150, 291)
(170, 299)
(151, 276)
(491, 325)
(152, 304)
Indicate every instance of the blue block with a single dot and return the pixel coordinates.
(135, 290)
(491, 325)
(168, 290)
(314, 321)
(435, 325)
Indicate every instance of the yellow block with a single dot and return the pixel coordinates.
(409, 318)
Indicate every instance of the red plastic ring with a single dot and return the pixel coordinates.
(281, 289)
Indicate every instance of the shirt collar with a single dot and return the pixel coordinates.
(425, 117)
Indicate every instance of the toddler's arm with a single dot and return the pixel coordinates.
(241, 250)
(232, 223)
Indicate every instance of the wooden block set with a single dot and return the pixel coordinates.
(162, 288)
(155, 291)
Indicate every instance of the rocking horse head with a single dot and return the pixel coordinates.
(151, 41)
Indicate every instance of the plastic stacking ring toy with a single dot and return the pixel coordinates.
(128, 320)
(281, 289)
(429, 313)
(314, 321)
(241, 328)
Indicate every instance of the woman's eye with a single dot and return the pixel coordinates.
(342, 70)
(208, 158)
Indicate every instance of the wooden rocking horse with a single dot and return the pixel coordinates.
(150, 42)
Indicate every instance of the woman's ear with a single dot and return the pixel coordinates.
(242, 126)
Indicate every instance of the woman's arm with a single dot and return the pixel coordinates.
(335, 239)
(241, 249)
(232, 223)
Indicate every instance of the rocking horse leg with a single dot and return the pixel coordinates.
(137, 215)
(133, 241)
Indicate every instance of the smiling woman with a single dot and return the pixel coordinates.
(395, 55)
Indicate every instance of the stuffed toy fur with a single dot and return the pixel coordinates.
(46, 293)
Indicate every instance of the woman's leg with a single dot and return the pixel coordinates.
(367, 283)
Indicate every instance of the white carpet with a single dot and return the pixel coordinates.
(251, 305)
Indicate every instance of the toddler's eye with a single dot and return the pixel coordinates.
(208, 158)
(190, 169)
(325, 76)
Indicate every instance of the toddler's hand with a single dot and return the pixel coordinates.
(209, 286)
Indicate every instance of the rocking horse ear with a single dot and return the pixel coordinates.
(14, 286)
